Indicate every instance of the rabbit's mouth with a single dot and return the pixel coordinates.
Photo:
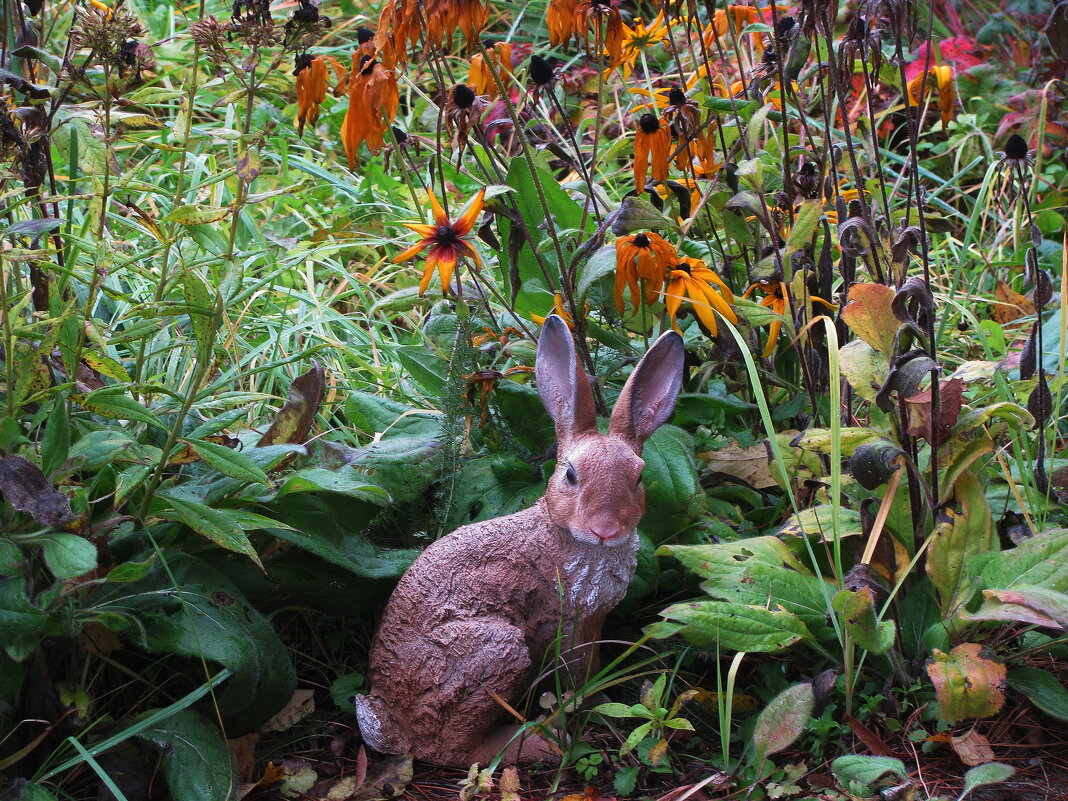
(588, 537)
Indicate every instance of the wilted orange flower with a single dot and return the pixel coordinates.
(480, 78)
(651, 144)
(740, 16)
(445, 240)
(588, 16)
(941, 78)
(561, 19)
(691, 279)
(373, 101)
(312, 75)
(641, 256)
(401, 24)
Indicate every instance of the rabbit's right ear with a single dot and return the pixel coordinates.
(562, 383)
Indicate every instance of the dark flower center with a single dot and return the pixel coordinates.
(302, 62)
(1016, 147)
(641, 241)
(463, 96)
(786, 23)
(541, 71)
(364, 35)
(649, 123)
(677, 97)
(367, 64)
(399, 135)
(445, 235)
(683, 266)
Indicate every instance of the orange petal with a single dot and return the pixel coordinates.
(463, 225)
(440, 217)
(410, 253)
(422, 229)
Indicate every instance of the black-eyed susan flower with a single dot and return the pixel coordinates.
(775, 299)
(645, 258)
(651, 144)
(681, 113)
(444, 242)
(690, 279)
(736, 16)
(312, 74)
(636, 40)
(463, 111)
(941, 78)
(559, 309)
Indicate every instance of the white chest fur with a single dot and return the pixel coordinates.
(596, 577)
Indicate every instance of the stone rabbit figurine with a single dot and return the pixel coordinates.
(479, 612)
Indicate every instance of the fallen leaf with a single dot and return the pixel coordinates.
(749, 464)
(272, 774)
(1010, 305)
(299, 707)
(973, 748)
(509, 785)
(244, 753)
(875, 743)
(386, 779)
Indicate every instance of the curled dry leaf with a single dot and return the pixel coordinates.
(972, 747)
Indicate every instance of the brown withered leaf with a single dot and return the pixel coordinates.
(1010, 305)
(749, 464)
(967, 684)
(918, 409)
(243, 750)
(973, 748)
(27, 489)
(293, 421)
(299, 707)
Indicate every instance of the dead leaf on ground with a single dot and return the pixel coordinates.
(272, 774)
(749, 464)
(244, 752)
(590, 794)
(386, 779)
(973, 748)
(299, 707)
(1010, 305)
(873, 741)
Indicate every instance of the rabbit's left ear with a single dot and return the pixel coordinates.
(562, 383)
(648, 397)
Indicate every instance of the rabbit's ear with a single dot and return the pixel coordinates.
(562, 384)
(648, 398)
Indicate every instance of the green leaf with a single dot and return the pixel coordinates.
(600, 264)
(1022, 604)
(202, 614)
(804, 228)
(429, 371)
(1038, 561)
(196, 762)
(1045, 692)
(55, 442)
(492, 486)
(191, 214)
(670, 479)
(962, 531)
(204, 306)
(862, 622)
(722, 626)
(693, 409)
(228, 461)
(114, 403)
(100, 448)
(345, 481)
(331, 528)
(850, 438)
(67, 555)
(990, 773)
(218, 525)
(783, 720)
(373, 414)
(614, 710)
(637, 213)
(867, 770)
(635, 738)
(17, 614)
(344, 688)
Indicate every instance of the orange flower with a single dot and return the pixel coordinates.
(641, 256)
(559, 309)
(311, 75)
(941, 77)
(774, 299)
(721, 22)
(373, 101)
(691, 279)
(588, 16)
(561, 20)
(480, 78)
(651, 144)
(445, 240)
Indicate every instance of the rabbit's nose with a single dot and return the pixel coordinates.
(607, 531)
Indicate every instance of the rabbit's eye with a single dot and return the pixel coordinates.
(571, 476)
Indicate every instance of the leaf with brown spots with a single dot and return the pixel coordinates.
(967, 684)
(294, 420)
(1010, 305)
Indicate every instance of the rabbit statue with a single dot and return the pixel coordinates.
(473, 618)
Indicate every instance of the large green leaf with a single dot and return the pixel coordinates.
(228, 461)
(670, 477)
(722, 626)
(202, 614)
(1039, 561)
(862, 622)
(371, 414)
(1043, 689)
(221, 526)
(492, 486)
(67, 555)
(963, 530)
(332, 529)
(196, 762)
